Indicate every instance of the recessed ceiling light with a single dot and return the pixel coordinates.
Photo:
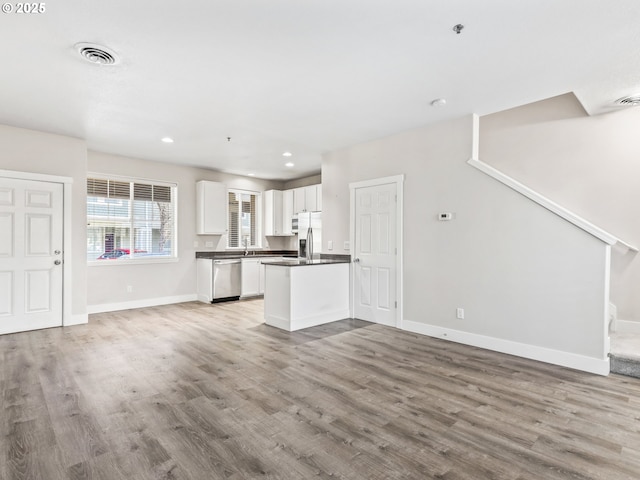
(251, 174)
(287, 154)
(439, 102)
(167, 140)
(288, 164)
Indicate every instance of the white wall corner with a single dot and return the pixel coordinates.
(599, 366)
(475, 137)
(144, 303)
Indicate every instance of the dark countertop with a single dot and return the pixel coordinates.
(302, 262)
(252, 254)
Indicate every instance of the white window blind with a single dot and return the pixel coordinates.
(129, 219)
(243, 219)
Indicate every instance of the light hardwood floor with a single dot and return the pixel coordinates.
(195, 391)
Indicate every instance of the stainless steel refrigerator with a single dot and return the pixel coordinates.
(309, 235)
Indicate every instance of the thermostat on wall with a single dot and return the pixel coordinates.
(444, 216)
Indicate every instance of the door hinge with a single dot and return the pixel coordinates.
(396, 250)
(396, 304)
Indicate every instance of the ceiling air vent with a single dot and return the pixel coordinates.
(629, 101)
(97, 54)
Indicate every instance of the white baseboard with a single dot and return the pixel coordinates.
(306, 322)
(627, 326)
(147, 302)
(555, 357)
(79, 319)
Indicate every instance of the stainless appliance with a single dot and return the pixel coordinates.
(227, 279)
(309, 235)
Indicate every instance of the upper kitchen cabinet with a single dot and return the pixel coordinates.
(287, 211)
(307, 199)
(275, 219)
(211, 208)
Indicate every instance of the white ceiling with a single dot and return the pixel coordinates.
(306, 76)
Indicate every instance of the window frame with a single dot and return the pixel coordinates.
(258, 225)
(173, 258)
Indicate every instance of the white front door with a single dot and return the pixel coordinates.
(375, 254)
(31, 240)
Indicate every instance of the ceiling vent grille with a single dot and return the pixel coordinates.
(97, 54)
(629, 101)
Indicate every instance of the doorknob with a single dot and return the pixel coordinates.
(356, 260)
(57, 262)
(57, 252)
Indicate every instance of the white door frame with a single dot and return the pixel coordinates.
(399, 181)
(67, 183)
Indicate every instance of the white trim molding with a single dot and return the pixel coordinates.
(551, 206)
(147, 302)
(627, 326)
(547, 355)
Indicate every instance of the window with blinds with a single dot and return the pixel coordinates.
(129, 220)
(243, 219)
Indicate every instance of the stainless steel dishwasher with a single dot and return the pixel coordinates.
(227, 280)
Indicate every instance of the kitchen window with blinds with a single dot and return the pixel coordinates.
(243, 211)
(129, 220)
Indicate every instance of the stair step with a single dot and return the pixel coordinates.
(625, 365)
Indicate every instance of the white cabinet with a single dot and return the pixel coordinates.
(310, 198)
(307, 199)
(211, 208)
(278, 209)
(299, 200)
(273, 213)
(287, 211)
(204, 267)
(250, 277)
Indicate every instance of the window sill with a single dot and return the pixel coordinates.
(133, 261)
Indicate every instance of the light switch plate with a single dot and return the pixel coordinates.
(330, 245)
(347, 245)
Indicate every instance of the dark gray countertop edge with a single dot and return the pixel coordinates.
(304, 263)
(240, 254)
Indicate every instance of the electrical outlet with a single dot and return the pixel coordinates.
(347, 246)
(460, 313)
(330, 245)
(208, 244)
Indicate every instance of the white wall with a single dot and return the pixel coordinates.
(164, 282)
(525, 277)
(589, 165)
(44, 153)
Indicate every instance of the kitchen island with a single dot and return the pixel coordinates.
(304, 293)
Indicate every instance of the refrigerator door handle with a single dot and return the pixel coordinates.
(310, 244)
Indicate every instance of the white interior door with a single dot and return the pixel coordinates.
(31, 240)
(375, 254)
